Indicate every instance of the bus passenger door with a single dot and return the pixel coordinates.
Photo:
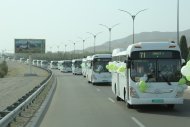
(127, 82)
(118, 83)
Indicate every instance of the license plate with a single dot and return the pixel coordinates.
(157, 101)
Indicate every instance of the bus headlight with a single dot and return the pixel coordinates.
(94, 77)
(133, 93)
(179, 94)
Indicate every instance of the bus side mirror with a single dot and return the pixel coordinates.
(128, 63)
(182, 62)
(90, 64)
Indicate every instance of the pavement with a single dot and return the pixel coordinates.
(78, 103)
(15, 84)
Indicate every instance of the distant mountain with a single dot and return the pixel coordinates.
(142, 37)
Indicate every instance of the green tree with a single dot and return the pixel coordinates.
(184, 47)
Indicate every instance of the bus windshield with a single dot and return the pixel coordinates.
(99, 65)
(78, 64)
(44, 62)
(156, 70)
(54, 63)
(67, 64)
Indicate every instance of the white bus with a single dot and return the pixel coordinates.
(34, 62)
(39, 63)
(84, 65)
(151, 75)
(76, 66)
(97, 71)
(22, 60)
(59, 64)
(88, 64)
(44, 64)
(53, 65)
(66, 66)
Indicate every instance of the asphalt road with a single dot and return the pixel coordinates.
(79, 104)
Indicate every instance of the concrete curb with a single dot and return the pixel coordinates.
(39, 115)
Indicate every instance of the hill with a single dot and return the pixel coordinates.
(154, 36)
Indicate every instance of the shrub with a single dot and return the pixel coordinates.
(3, 69)
(2, 73)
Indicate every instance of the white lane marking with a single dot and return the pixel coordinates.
(137, 122)
(98, 89)
(111, 100)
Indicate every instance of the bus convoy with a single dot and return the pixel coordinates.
(144, 73)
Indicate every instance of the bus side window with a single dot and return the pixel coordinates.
(122, 58)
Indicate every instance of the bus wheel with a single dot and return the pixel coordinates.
(118, 98)
(170, 106)
(129, 106)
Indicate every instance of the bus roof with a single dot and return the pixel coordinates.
(153, 46)
(67, 60)
(76, 60)
(147, 46)
(61, 61)
(102, 56)
(84, 59)
(53, 61)
(89, 58)
(116, 51)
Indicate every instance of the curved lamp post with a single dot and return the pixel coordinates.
(65, 47)
(94, 35)
(109, 29)
(178, 21)
(133, 17)
(83, 40)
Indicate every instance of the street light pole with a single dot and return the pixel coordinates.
(110, 30)
(58, 48)
(133, 18)
(74, 50)
(178, 21)
(83, 41)
(50, 48)
(83, 46)
(65, 48)
(94, 35)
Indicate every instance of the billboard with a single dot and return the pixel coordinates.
(29, 45)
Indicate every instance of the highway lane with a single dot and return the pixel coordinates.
(156, 115)
(77, 103)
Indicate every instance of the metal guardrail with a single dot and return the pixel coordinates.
(11, 112)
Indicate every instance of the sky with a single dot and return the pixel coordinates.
(62, 22)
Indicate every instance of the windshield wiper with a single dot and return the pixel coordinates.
(165, 79)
